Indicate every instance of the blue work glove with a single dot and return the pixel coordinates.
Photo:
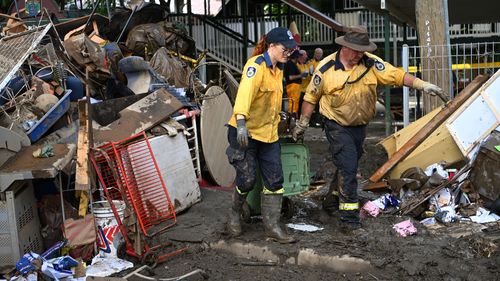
(243, 135)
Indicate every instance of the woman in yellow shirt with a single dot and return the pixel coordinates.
(253, 131)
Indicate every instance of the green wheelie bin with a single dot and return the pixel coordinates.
(295, 162)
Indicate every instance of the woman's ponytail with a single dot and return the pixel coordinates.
(261, 46)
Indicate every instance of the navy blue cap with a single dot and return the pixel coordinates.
(283, 36)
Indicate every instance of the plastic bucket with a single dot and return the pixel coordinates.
(107, 226)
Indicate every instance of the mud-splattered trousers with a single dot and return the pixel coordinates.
(346, 146)
(266, 156)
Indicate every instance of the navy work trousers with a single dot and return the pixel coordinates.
(245, 160)
(346, 146)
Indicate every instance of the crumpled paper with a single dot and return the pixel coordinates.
(405, 228)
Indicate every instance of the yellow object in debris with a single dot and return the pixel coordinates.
(84, 202)
(438, 147)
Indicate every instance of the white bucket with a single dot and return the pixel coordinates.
(107, 226)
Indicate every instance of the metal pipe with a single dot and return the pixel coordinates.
(126, 24)
(91, 14)
(406, 90)
(387, 89)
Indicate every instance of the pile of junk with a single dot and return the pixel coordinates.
(97, 117)
(442, 169)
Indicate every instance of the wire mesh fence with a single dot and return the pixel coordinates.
(452, 67)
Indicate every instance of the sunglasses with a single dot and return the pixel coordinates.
(286, 52)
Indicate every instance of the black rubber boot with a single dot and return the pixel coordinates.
(234, 224)
(271, 212)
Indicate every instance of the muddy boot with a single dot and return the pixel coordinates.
(331, 200)
(234, 224)
(271, 211)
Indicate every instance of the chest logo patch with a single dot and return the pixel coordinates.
(317, 80)
(251, 72)
(379, 66)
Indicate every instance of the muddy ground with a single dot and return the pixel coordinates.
(456, 252)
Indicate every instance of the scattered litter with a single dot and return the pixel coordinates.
(304, 227)
(428, 221)
(484, 216)
(436, 168)
(387, 201)
(446, 215)
(370, 209)
(51, 270)
(441, 199)
(102, 267)
(25, 263)
(44, 152)
(405, 228)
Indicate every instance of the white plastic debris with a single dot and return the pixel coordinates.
(484, 216)
(49, 270)
(428, 221)
(446, 214)
(304, 227)
(102, 267)
(441, 199)
(436, 168)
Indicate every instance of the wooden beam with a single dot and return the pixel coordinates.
(376, 186)
(82, 181)
(421, 135)
(433, 36)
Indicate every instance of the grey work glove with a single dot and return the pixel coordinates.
(434, 90)
(243, 135)
(430, 89)
(305, 74)
(300, 128)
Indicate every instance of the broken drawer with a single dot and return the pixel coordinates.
(50, 118)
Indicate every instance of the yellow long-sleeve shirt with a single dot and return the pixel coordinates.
(350, 104)
(259, 98)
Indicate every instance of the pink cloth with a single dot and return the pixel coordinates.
(369, 209)
(405, 228)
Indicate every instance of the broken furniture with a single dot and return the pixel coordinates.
(127, 171)
(216, 110)
(20, 231)
(18, 204)
(23, 166)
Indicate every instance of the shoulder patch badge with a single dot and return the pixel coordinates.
(380, 66)
(251, 72)
(317, 80)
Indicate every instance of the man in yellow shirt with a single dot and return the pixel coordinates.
(253, 132)
(316, 119)
(344, 85)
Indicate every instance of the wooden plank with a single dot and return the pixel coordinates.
(140, 116)
(82, 179)
(84, 202)
(376, 186)
(419, 137)
(433, 36)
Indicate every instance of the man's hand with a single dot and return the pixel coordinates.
(305, 74)
(434, 90)
(242, 136)
(429, 88)
(300, 128)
